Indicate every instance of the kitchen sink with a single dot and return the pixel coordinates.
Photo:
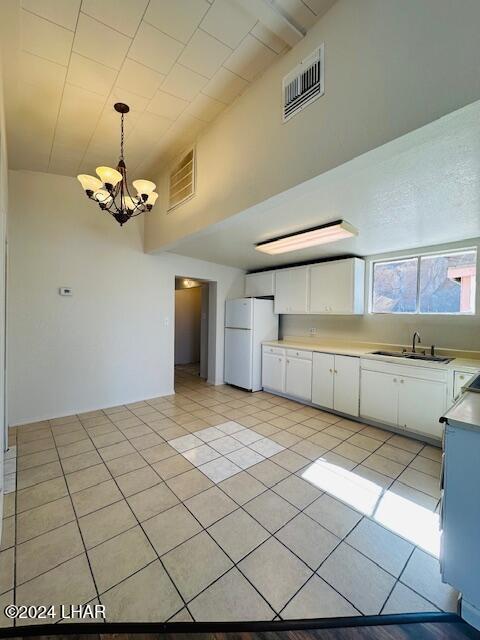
(413, 356)
(394, 354)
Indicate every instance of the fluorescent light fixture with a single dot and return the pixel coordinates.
(325, 233)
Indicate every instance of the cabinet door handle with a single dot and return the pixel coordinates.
(335, 371)
(331, 370)
(279, 359)
(402, 381)
(288, 361)
(394, 379)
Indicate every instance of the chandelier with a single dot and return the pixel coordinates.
(110, 189)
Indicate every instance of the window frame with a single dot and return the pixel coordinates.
(418, 257)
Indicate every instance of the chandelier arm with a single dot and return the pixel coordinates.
(124, 177)
(130, 195)
(113, 204)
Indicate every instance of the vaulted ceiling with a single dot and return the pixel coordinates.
(420, 189)
(177, 63)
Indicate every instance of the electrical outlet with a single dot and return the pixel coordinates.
(313, 331)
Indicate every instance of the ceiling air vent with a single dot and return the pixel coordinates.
(182, 180)
(303, 85)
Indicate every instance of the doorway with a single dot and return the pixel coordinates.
(191, 326)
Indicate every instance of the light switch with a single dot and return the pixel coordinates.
(65, 291)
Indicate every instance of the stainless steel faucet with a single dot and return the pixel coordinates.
(416, 336)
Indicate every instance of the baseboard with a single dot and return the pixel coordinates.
(470, 614)
(77, 411)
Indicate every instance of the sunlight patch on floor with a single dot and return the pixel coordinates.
(400, 515)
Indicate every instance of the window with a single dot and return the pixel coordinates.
(433, 283)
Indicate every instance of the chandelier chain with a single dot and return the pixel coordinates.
(121, 138)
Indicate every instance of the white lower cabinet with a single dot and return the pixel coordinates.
(347, 385)
(298, 376)
(413, 398)
(379, 397)
(273, 370)
(406, 396)
(322, 379)
(336, 382)
(421, 403)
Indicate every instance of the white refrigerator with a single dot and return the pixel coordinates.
(248, 323)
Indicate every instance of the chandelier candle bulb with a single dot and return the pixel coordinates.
(102, 195)
(90, 183)
(109, 176)
(111, 192)
(144, 187)
(130, 203)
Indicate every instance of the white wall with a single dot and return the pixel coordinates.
(391, 66)
(450, 332)
(188, 304)
(112, 342)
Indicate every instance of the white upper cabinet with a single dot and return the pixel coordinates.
(291, 290)
(260, 284)
(337, 287)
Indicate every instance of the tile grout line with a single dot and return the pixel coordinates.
(151, 545)
(244, 470)
(205, 530)
(179, 453)
(79, 530)
(398, 578)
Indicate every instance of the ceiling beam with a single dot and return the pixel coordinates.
(274, 18)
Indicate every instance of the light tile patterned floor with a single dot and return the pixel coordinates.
(216, 504)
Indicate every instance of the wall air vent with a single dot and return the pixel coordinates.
(304, 84)
(182, 180)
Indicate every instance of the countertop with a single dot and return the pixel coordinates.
(466, 410)
(464, 360)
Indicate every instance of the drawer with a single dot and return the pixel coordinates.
(460, 379)
(293, 353)
(275, 350)
(407, 370)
